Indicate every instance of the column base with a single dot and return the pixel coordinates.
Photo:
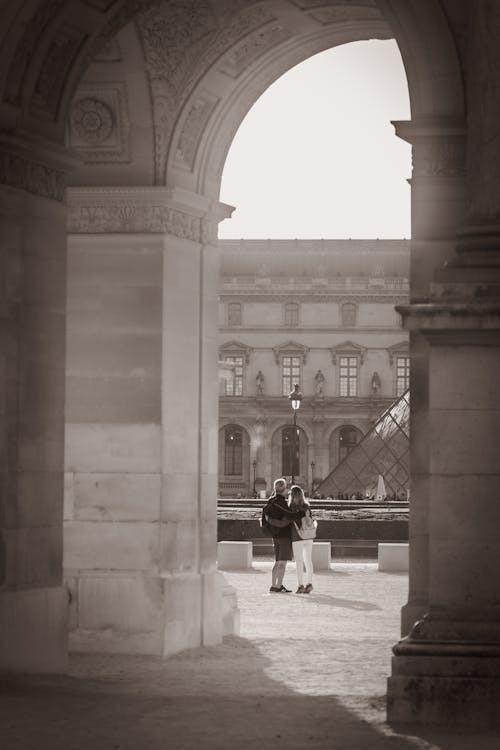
(34, 630)
(445, 691)
(140, 614)
(412, 611)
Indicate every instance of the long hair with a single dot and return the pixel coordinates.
(297, 498)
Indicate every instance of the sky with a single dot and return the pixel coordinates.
(317, 156)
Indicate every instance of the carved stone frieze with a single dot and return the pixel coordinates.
(33, 176)
(130, 217)
(98, 124)
(309, 4)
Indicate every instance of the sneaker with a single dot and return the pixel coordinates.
(300, 590)
(285, 590)
(308, 588)
(274, 589)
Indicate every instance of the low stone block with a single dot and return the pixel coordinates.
(321, 554)
(393, 557)
(234, 555)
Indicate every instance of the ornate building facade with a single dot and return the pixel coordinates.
(320, 314)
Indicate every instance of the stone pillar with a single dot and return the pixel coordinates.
(33, 601)
(447, 670)
(140, 529)
(438, 200)
(321, 448)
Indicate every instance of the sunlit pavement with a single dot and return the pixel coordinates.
(306, 671)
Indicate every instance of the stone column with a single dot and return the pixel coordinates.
(320, 451)
(438, 200)
(142, 441)
(33, 601)
(447, 670)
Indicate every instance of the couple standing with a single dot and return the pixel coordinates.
(285, 523)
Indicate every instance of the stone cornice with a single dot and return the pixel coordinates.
(319, 296)
(146, 210)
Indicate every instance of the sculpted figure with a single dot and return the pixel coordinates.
(319, 379)
(259, 380)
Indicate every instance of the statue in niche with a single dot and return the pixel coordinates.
(259, 380)
(319, 380)
(376, 384)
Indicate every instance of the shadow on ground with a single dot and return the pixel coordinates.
(214, 698)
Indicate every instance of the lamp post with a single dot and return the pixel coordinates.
(295, 398)
(254, 464)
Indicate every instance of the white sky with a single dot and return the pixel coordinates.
(317, 155)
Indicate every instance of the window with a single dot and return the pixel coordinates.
(234, 385)
(290, 374)
(291, 314)
(348, 438)
(348, 313)
(290, 452)
(233, 452)
(402, 375)
(348, 376)
(234, 314)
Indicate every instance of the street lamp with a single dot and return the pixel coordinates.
(295, 398)
(254, 464)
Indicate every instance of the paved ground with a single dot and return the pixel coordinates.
(305, 672)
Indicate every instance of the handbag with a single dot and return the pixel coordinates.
(308, 526)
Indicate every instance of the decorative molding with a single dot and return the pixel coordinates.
(198, 115)
(347, 348)
(61, 54)
(311, 295)
(401, 348)
(253, 47)
(98, 123)
(32, 175)
(292, 349)
(237, 348)
(357, 11)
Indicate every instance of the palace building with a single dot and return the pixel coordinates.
(320, 314)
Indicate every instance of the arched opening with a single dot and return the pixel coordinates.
(234, 462)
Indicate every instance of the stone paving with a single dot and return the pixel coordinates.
(306, 671)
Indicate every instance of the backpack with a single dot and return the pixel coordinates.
(308, 526)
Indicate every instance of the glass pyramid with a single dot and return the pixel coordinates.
(383, 451)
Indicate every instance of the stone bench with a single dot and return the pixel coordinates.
(393, 556)
(234, 555)
(321, 554)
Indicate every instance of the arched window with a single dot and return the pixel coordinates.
(348, 439)
(290, 451)
(348, 313)
(233, 452)
(291, 314)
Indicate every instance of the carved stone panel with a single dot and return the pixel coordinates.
(99, 123)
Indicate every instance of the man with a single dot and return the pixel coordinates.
(280, 518)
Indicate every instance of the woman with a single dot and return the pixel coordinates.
(302, 548)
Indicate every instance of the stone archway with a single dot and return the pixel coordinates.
(198, 106)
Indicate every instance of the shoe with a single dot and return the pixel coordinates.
(308, 588)
(285, 590)
(274, 589)
(300, 590)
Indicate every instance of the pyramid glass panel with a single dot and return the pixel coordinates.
(384, 450)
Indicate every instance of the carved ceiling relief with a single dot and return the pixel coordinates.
(181, 41)
(99, 123)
